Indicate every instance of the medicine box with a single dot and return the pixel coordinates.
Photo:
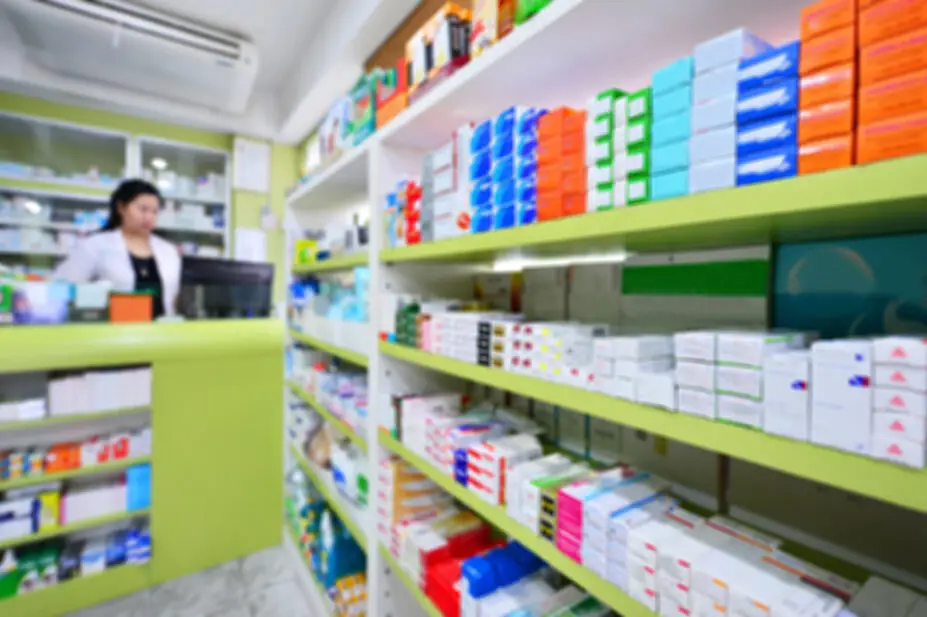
(893, 98)
(696, 374)
(767, 134)
(892, 139)
(833, 48)
(638, 105)
(768, 165)
(698, 345)
(712, 175)
(906, 53)
(900, 400)
(828, 120)
(768, 101)
(602, 106)
(728, 48)
(715, 114)
(678, 101)
(769, 67)
(670, 157)
(696, 402)
(890, 18)
(718, 83)
(836, 83)
(740, 410)
(901, 350)
(669, 184)
(827, 154)
(712, 145)
(740, 381)
(752, 348)
(673, 129)
(786, 394)
(827, 15)
(899, 376)
(677, 74)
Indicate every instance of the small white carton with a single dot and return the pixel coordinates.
(699, 345)
(901, 350)
(697, 403)
(699, 375)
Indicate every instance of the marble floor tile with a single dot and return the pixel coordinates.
(281, 600)
(136, 605)
(265, 569)
(216, 591)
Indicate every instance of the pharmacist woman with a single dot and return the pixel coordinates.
(126, 253)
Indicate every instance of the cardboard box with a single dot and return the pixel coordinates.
(893, 98)
(894, 57)
(835, 47)
(892, 138)
(827, 154)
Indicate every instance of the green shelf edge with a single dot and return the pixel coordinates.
(67, 529)
(333, 265)
(334, 501)
(345, 354)
(339, 424)
(883, 197)
(74, 473)
(70, 419)
(894, 484)
(79, 593)
(63, 188)
(606, 592)
(424, 601)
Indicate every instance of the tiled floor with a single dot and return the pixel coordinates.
(262, 585)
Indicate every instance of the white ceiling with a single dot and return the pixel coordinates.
(279, 28)
(309, 52)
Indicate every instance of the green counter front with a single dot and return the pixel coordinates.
(216, 417)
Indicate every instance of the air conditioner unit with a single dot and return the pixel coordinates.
(117, 43)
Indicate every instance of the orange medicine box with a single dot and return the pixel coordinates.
(559, 120)
(890, 18)
(893, 98)
(836, 47)
(825, 155)
(574, 203)
(903, 54)
(834, 84)
(826, 15)
(827, 120)
(892, 139)
(550, 205)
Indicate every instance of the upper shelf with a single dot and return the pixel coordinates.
(575, 48)
(342, 180)
(874, 199)
(340, 262)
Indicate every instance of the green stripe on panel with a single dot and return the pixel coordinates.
(720, 278)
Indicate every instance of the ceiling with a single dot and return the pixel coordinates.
(309, 52)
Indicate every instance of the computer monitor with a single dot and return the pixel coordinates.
(224, 289)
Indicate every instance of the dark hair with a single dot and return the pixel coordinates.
(124, 194)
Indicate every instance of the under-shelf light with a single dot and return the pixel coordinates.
(517, 261)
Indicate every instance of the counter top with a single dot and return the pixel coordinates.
(32, 348)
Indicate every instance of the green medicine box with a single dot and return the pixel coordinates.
(638, 190)
(602, 104)
(637, 162)
(639, 104)
(637, 133)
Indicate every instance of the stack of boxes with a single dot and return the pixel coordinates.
(672, 119)
(714, 117)
(696, 378)
(787, 394)
(900, 416)
(841, 396)
(514, 167)
(632, 148)
(561, 165)
(893, 80)
(444, 212)
(827, 117)
(601, 126)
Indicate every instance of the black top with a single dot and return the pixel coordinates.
(148, 280)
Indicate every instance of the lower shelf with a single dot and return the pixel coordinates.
(424, 601)
(79, 593)
(66, 529)
(318, 599)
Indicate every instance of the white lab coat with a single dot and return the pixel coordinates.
(104, 256)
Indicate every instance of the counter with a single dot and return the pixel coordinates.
(217, 422)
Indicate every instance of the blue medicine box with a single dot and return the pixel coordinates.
(504, 216)
(526, 212)
(671, 157)
(481, 137)
(674, 102)
(503, 192)
(767, 135)
(768, 165)
(481, 193)
(138, 487)
(481, 165)
(481, 219)
(517, 120)
(670, 77)
(670, 130)
(769, 67)
(669, 185)
(526, 190)
(778, 99)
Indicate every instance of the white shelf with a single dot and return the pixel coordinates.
(54, 253)
(344, 179)
(215, 200)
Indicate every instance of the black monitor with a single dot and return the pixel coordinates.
(224, 289)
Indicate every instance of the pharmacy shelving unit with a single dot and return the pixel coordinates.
(216, 452)
(340, 425)
(52, 171)
(569, 45)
